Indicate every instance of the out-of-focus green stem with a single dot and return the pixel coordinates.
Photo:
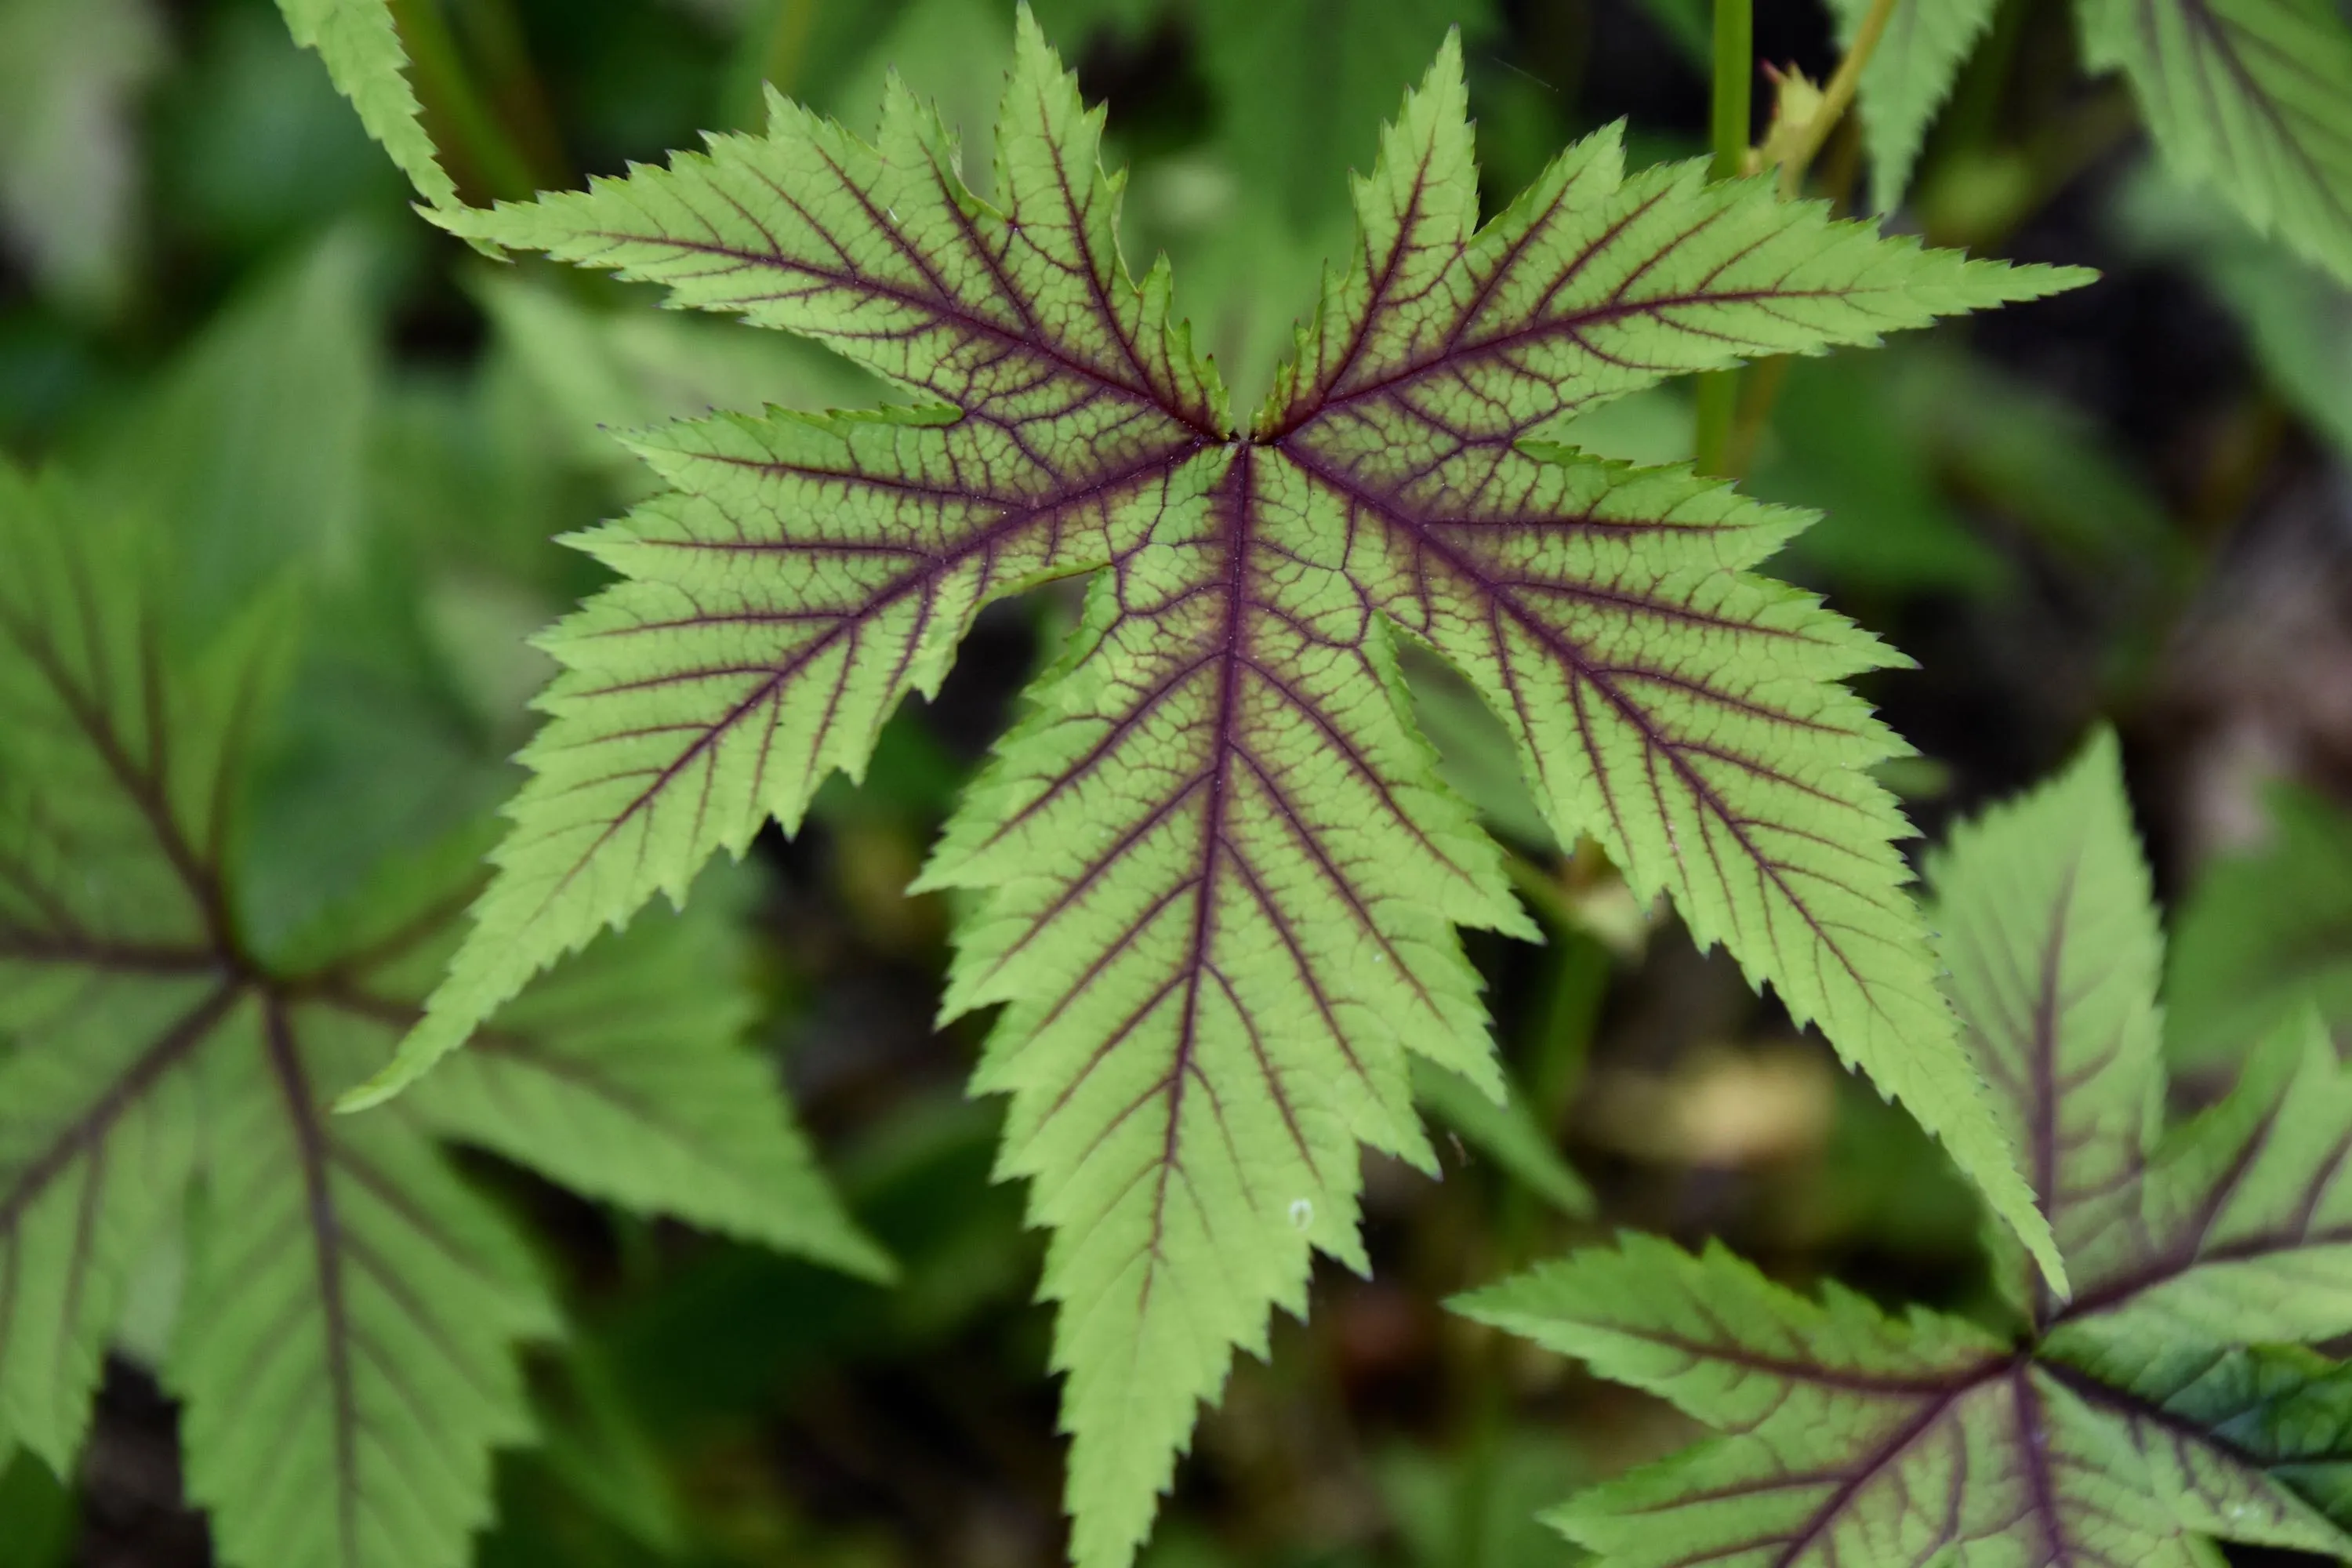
(494, 34)
(773, 51)
(485, 155)
(1735, 77)
(1835, 97)
(1744, 418)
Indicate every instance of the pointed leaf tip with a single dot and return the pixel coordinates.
(1218, 884)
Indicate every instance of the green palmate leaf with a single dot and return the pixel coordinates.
(360, 46)
(346, 1344)
(1218, 875)
(2265, 934)
(1908, 79)
(2126, 1425)
(2246, 98)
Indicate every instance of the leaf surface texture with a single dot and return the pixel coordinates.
(344, 1346)
(2131, 1425)
(1215, 877)
(2246, 98)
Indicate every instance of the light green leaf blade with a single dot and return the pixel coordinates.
(1686, 715)
(623, 1076)
(108, 924)
(2243, 1229)
(1724, 1344)
(1908, 79)
(1591, 284)
(1218, 874)
(1223, 880)
(2265, 934)
(1863, 1438)
(1998, 1470)
(345, 1347)
(2135, 1423)
(2287, 1407)
(366, 59)
(2049, 930)
(750, 652)
(73, 1220)
(2245, 98)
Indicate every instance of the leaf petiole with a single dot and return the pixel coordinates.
(1834, 99)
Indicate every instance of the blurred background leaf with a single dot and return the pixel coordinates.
(2133, 502)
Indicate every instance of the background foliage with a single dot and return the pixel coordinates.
(2130, 502)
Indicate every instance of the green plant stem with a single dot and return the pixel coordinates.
(1729, 119)
(485, 161)
(1836, 96)
(1729, 433)
(517, 97)
(1735, 77)
(1574, 988)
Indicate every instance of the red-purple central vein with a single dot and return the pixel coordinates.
(981, 544)
(2045, 1064)
(1234, 528)
(326, 1245)
(1427, 539)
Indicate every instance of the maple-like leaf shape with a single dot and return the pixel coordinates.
(2246, 98)
(344, 1342)
(1219, 878)
(2127, 1426)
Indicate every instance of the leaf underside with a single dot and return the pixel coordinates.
(1218, 878)
(2131, 1425)
(2247, 98)
(344, 1345)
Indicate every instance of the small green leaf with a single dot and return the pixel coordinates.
(2246, 98)
(2131, 1425)
(1908, 79)
(2049, 933)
